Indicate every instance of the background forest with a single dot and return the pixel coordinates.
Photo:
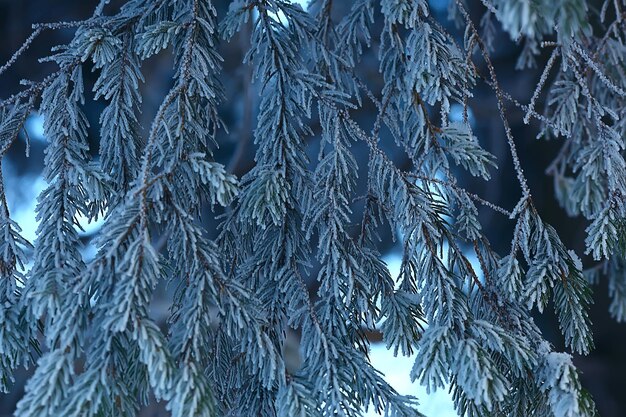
(603, 371)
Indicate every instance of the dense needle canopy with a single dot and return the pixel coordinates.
(295, 258)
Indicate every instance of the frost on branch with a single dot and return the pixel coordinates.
(292, 249)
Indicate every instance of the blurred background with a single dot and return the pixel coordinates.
(603, 371)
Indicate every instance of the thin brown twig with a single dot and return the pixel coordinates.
(499, 98)
(455, 187)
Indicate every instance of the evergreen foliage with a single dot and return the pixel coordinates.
(85, 326)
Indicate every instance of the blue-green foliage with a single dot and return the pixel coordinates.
(86, 324)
